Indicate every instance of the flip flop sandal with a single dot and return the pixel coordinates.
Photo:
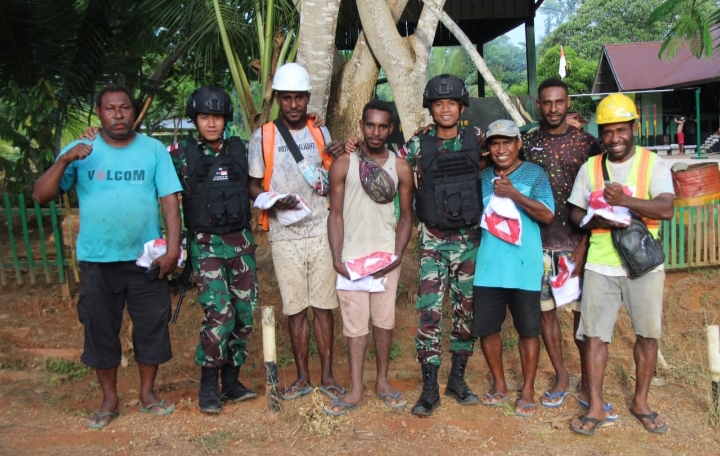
(503, 398)
(100, 416)
(386, 400)
(607, 407)
(163, 410)
(526, 406)
(300, 392)
(650, 416)
(552, 396)
(339, 403)
(326, 390)
(585, 419)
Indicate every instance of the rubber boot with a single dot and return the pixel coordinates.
(209, 394)
(456, 386)
(232, 389)
(429, 400)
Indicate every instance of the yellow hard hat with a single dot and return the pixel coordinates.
(616, 108)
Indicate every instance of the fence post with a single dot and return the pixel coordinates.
(22, 208)
(11, 240)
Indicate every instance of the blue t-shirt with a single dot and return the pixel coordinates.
(118, 189)
(504, 265)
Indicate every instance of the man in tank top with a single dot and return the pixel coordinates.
(362, 221)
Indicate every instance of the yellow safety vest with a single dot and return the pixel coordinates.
(602, 250)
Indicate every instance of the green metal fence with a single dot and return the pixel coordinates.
(690, 239)
(24, 249)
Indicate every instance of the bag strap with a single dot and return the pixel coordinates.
(606, 175)
(192, 157)
(289, 140)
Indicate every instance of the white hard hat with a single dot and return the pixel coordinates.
(291, 77)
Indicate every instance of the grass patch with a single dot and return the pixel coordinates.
(73, 369)
(213, 443)
(312, 346)
(623, 374)
(285, 361)
(12, 364)
(400, 290)
(510, 340)
(395, 352)
(314, 419)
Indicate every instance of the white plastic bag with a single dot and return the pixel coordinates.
(267, 200)
(565, 288)
(368, 283)
(152, 250)
(502, 219)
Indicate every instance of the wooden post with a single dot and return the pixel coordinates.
(713, 342)
(270, 358)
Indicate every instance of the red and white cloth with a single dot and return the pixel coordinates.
(565, 289)
(502, 219)
(598, 205)
(152, 250)
(361, 270)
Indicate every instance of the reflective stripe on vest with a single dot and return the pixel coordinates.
(268, 148)
(602, 250)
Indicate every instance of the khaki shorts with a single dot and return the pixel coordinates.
(550, 264)
(357, 307)
(305, 274)
(603, 295)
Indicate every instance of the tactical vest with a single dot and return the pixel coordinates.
(218, 199)
(447, 196)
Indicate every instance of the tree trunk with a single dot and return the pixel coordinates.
(477, 59)
(403, 59)
(354, 82)
(318, 21)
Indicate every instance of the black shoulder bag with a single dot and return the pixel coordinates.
(639, 250)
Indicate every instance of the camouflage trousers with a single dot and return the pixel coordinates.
(227, 292)
(445, 262)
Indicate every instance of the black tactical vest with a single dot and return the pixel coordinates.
(217, 199)
(447, 196)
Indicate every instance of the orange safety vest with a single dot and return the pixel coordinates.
(602, 250)
(268, 148)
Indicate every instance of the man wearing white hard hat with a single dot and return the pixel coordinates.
(290, 156)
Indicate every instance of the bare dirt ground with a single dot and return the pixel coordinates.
(45, 394)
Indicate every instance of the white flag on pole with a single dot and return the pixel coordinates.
(562, 69)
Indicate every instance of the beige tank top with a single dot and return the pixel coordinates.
(369, 227)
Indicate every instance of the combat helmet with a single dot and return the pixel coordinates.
(444, 87)
(209, 100)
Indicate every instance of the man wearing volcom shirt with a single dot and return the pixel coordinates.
(560, 150)
(301, 252)
(119, 177)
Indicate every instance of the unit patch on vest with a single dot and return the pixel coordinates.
(221, 174)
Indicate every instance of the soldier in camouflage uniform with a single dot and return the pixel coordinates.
(216, 208)
(446, 163)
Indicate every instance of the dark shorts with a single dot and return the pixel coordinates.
(105, 289)
(490, 304)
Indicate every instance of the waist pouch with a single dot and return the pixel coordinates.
(639, 250)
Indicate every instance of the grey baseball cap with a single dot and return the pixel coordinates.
(503, 127)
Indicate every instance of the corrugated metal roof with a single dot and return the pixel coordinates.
(637, 66)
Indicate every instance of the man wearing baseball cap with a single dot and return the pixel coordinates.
(510, 274)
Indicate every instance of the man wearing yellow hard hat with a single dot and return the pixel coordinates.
(623, 169)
